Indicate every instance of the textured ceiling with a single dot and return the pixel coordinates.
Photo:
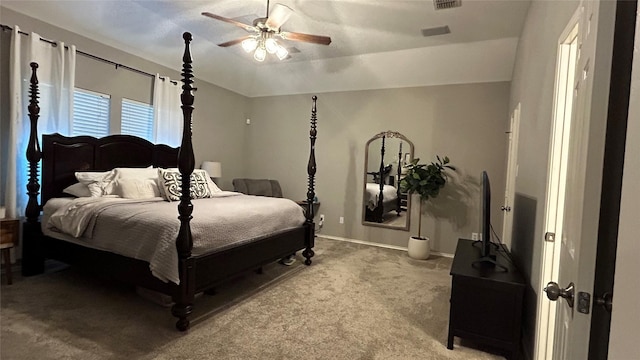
(376, 44)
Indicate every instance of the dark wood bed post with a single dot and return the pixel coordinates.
(381, 182)
(185, 292)
(32, 253)
(397, 182)
(311, 194)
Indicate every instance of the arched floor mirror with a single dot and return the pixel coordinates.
(383, 203)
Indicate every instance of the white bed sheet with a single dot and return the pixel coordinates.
(373, 191)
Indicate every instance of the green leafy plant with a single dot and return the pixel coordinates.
(425, 180)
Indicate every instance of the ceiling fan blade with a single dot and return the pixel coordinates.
(278, 16)
(234, 42)
(315, 39)
(230, 21)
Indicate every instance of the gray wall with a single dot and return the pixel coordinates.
(219, 114)
(465, 122)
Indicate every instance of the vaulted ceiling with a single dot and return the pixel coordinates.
(375, 44)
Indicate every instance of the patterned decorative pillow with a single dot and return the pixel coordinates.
(170, 183)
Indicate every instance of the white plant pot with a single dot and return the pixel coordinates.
(419, 248)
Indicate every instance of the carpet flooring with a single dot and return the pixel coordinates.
(354, 302)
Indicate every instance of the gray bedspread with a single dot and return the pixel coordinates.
(147, 230)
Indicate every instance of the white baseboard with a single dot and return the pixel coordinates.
(386, 246)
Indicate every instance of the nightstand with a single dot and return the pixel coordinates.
(9, 235)
(303, 204)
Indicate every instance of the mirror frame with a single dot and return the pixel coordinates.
(389, 135)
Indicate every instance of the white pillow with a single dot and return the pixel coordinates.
(137, 188)
(212, 186)
(77, 190)
(170, 182)
(136, 173)
(100, 183)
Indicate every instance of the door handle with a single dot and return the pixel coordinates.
(554, 292)
(505, 208)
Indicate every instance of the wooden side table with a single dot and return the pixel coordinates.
(9, 235)
(303, 204)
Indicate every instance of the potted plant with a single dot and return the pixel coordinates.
(425, 180)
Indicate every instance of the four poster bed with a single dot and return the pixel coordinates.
(196, 265)
(383, 194)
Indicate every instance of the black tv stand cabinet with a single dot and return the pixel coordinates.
(486, 301)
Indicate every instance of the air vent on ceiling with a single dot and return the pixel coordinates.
(438, 30)
(446, 4)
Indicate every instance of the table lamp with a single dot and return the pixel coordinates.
(213, 168)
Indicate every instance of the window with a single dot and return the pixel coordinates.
(137, 119)
(91, 116)
(90, 113)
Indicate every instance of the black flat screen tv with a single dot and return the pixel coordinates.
(488, 249)
(485, 220)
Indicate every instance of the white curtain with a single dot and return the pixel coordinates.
(167, 113)
(56, 76)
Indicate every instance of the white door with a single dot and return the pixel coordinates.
(578, 239)
(512, 172)
(564, 96)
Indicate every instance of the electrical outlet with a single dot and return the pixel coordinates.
(341, 219)
(321, 218)
(474, 236)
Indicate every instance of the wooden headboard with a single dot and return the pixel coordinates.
(62, 156)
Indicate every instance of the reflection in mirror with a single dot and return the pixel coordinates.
(384, 205)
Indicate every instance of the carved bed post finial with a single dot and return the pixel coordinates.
(34, 154)
(308, 253)
(186, 163)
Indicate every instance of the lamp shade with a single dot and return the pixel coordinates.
(214, 169)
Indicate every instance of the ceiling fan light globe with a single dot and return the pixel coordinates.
(271, 45)
(282, 53)
(260, 54)
(249, 44)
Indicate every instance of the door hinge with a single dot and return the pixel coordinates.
(550, 236)
(606, 301)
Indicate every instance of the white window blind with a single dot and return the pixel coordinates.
(137, 119)
(90, 113)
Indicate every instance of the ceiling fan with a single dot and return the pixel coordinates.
(266, 30)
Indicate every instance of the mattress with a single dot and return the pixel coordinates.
(147, 229)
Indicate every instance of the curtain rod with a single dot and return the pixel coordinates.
(91, 56)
